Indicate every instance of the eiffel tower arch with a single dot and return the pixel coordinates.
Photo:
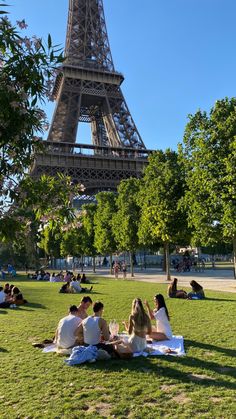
(87, 89)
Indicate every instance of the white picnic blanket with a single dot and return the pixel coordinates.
(50, 348)
(174, 347)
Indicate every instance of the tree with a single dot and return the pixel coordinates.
(209, 155)
(104, 237)
(27, 68)
(88, 222)
(162, 220)
(43, 205)
(126, 219)
(50, 242)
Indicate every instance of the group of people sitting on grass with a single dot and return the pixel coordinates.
(80, 329)
(11, 296)
(73, 285)
(197, 292)
(41, 275)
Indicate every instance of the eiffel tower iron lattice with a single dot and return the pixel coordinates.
(88, 90)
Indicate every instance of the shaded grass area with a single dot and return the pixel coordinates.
(37, 385)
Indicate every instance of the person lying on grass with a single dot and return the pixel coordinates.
(162, 331)
(66, 332)
(173, 292)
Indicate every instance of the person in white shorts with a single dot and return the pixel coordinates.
(138, 327)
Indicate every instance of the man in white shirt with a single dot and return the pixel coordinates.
(67, 327)
(75, 286)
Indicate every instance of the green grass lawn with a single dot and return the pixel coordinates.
(37, 385)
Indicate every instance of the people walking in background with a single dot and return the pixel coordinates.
(124, 270)
(116, 269)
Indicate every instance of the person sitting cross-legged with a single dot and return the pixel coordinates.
(138, 327)
(76, 288)
(94, 330)
(66, 332)
(197, 291)
(162, 331)
(65, 288)
(3, 300)
(85, 303)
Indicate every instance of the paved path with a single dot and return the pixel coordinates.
(217, 280)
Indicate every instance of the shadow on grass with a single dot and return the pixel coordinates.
(3, 312)
(29, 306)
(146, 366)
(3, 350)
(220, 299)
(209, 347)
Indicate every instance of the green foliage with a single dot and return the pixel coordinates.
(88, 217)
(126, 218)
(209, 156)
(104, 238)
(50, 241)
(26, 74)
(162, 189)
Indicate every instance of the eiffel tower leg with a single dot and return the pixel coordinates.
(65, 119)
(120, 125)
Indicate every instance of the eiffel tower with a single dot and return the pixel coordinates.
(87, 89)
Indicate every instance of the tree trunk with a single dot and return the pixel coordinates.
(167, 258)
(111, 264)
(82, 263)
(131, 264)
(94, 267)
(163, 263)
(234, 255)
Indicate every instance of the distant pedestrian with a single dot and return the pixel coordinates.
(124, 270)
(116, 270)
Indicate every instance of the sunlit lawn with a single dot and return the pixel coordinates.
(37, 385)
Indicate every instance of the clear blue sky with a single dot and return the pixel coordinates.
(176, 55)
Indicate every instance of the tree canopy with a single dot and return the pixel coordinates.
(209, 156)
(162, 220)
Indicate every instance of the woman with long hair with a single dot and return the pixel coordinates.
(138, 327)
(173, 292)
(162, 331)
(197, 291)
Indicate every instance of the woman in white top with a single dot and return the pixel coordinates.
(160, 314)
